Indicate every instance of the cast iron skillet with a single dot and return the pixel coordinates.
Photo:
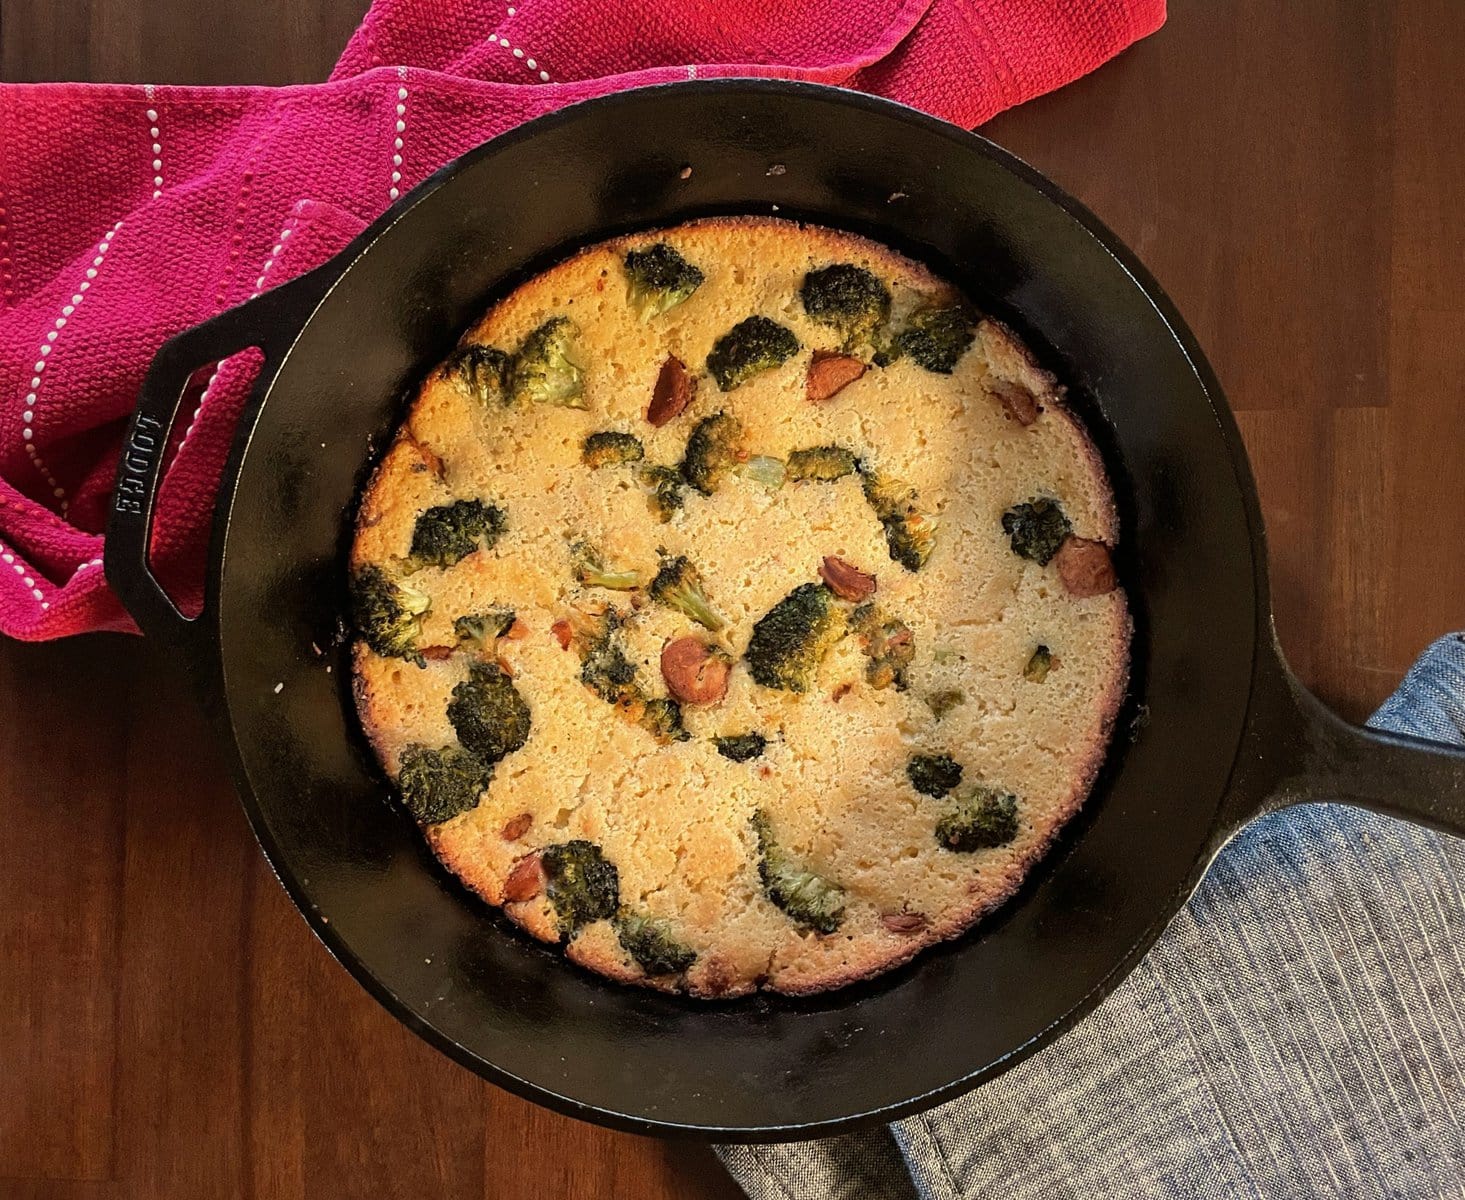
(1216, 730)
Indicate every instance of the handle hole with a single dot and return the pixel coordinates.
(193, 461)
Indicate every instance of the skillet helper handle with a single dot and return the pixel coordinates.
(270, 322)
(1313, 755)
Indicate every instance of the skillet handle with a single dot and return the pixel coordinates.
(1299, 751)
(271, 322)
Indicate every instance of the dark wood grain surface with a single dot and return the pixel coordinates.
(1293, 175)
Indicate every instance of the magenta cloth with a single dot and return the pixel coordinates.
(128, 213)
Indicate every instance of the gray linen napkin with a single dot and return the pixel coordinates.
(1298, 1031)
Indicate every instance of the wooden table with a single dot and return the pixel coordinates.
(1291, 172)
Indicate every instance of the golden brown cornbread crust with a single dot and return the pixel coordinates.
(675, 819)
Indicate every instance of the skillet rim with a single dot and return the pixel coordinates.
(316, 288)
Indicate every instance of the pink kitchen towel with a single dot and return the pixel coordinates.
(129, 213)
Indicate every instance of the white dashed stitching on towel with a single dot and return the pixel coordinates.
(157, 141)
(518, 52)
(28, 413)
(395, 189)
(8, 559)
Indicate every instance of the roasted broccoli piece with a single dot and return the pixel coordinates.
(488, 714)
(741, 747)
(679, 585)
(847, 298)
(386, 613)
(934, 337)
(590, 569)
(449, 533)
(604, 667)
(715, 448)
(606, 671)
(581, 883)
(765, 470)
(1037, 528)
(662, 719)
(809, 899)
(752, 345)
(658, 279)
(668, 489)
(791, 639)
(822, 463)
(983, 818)
(651, 942)
(544, 370)
(1038, 665)
(437, 785)
(609, 448)
(933, 774)
(910, 535)
(889, 645)
(483, 629)
(483, 371)
(943, 702)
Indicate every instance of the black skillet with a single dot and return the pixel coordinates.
(1215, 732)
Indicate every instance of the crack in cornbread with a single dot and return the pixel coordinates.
(735, 606)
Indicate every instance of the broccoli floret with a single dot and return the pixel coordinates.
(581, 884)
(822, 463)
(651, 942)
(763, 469)
(483, 629)
(910, 535)
(387, 612)
(448, 533)
(933, 774)
(609, 448)
(668, 489)
(437, 785)
(741, 747)
(1037, 528)
(791, 639)
(889, 645)
(544, 369)
(488, 714)
(483, 371)
(662, 719)
(847, 298)
(943, 702)
(984, 818)
(590, 569)
(679, 585)
(715, 448)
(752, 345)
(808, 898)
(658, 279)
(604, 667)
(1038, 665)
(606, 671)
(935, 338)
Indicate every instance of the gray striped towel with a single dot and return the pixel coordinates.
(1298, 1031)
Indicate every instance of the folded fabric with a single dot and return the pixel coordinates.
(130, 213)
(1299, 1030)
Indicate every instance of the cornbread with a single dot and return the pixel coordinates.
(738, 622)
